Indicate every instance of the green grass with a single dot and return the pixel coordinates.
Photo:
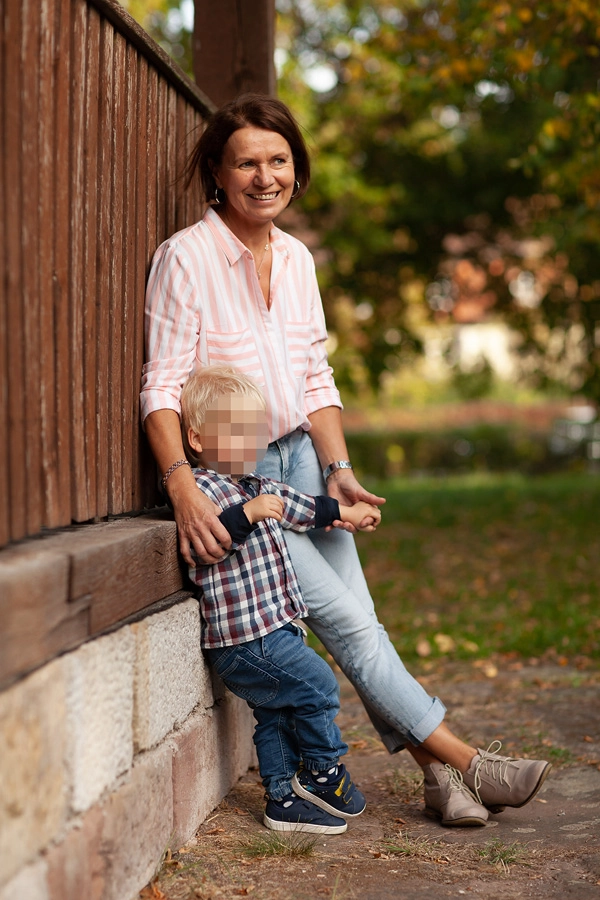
(476, 565)
(289, 845)
(502, 855)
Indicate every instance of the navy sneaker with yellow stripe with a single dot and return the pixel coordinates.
(333, 790)
(292, 813)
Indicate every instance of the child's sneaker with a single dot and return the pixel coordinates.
(292, 813)
(332, 790)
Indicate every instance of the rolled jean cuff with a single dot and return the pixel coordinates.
(423, 729)
(277, 790)
(321, 765)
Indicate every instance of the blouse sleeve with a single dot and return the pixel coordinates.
(172, 329)
(320, 386)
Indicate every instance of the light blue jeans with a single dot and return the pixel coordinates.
(342, 613)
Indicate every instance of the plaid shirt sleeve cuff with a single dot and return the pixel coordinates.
(236, 522)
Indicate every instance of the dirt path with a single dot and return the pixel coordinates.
(548, 849)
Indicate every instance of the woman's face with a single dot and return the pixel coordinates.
(257, 174)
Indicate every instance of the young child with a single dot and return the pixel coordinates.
(250, 602)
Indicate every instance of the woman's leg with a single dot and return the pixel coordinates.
(342, 614)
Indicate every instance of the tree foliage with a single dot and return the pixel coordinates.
(457, 172)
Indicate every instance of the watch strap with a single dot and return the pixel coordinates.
(334, 466)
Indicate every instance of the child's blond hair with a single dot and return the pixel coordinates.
(203, 388)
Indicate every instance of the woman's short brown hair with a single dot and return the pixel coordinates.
(254, 110)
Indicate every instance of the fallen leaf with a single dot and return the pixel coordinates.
(423, 648)
(444, 642)
(588, 739)
(215, 831)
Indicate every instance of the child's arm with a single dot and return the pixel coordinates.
(364, 516)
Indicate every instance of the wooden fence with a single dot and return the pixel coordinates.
(94, 122)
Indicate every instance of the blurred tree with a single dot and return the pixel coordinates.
(457, 172)
(170, 23)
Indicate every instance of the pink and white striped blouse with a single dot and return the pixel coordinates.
(204, 306)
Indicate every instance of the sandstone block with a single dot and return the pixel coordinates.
(100, 714)
(33, 779)
(28, 884)
(212, 751)
(171, 676)
(138, 822)
(76, 866)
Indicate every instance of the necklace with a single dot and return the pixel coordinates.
(267, 245)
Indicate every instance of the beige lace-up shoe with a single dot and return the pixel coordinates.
(500, 781)
(449, 799)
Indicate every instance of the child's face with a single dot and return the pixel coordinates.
(234, 436)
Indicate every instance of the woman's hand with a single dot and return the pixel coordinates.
(198, 523)
(265, 506)
(347, 490)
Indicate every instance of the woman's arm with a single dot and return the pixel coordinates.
(196, 516)
(328, 437)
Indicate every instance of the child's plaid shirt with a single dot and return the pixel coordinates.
(254, 589)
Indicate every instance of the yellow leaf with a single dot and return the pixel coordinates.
(445, 643)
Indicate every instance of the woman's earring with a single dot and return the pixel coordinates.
(217, 201)
(296, 189)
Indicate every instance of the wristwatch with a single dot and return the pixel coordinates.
(334, 466)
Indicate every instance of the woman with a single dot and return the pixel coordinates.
(235, 289)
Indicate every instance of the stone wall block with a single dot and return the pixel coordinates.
(234, 730)
(138, 823)
(28, 884)
(76, 866)
(100, 714)
(33, 777)
(211, 752)
(171, 676)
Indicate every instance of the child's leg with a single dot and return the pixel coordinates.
(249, 671)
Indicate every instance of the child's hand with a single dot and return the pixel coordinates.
(265, 506)
(364, 516)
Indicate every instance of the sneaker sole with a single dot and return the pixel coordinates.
(465, 821)
(323, 804)
(305, 827)
(543, 776)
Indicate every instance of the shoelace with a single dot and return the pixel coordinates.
(495, 767)
(456, 782)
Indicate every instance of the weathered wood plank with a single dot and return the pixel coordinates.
(88, 298)
(15, 433)
(114, 296)
(4, 455)
(66, 89)
(37, 619)
(141, 265)
(104, 287)
(46, 227)
(78, 263)
(31, 45)
(132, 305)
(126, 566)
